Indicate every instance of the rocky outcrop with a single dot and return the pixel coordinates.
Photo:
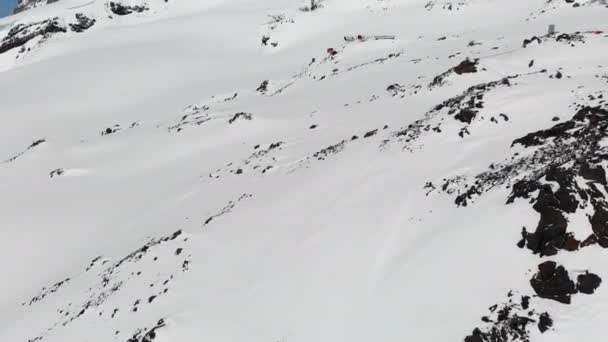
(20, 34)
(120, 9)
(23, 5)
(82, 24)
(513, 320)
(562, 174)
(467, 66)
(553, 282)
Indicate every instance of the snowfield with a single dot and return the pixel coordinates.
(368, 170)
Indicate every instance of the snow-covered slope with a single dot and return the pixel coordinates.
(240, 170)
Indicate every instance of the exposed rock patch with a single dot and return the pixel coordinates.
(225, 210)
(240, 116)
(145, 334)
(510, 322)
(20, 34)
(83, 23)
(120, 9)
(552, 282)
(467, 66)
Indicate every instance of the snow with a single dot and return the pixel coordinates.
(349, 248)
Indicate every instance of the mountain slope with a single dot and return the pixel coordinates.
(237, 170)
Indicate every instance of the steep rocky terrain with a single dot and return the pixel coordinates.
(329, 170)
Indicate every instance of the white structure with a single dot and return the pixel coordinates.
(551, 29)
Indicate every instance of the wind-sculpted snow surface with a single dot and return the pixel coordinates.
(328, 171)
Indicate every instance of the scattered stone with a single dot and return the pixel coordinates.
(263, 88)
(370, 133)
(509, 322)
(111, 130)
(47, 292)
(544, 322)
(56, 172)
(330, 150)
(142, 336)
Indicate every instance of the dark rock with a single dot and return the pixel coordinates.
(56, 172)
(370, 133)
(20, 34)
(330, 150)
(587, 283)
(36, 143)
(263, 87)
(120, 9)
(83, 23)
(570, 38)
(599, 225)
(571, 243)
(466, 115)
(544, 322)
(466, 67)
(552, 282)
(507, 322)
(593, 173)
(539, 137)
(110, 130)
(525, 302)
(530, 40)
(142, 336)
(241, 115)
(589, 241)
